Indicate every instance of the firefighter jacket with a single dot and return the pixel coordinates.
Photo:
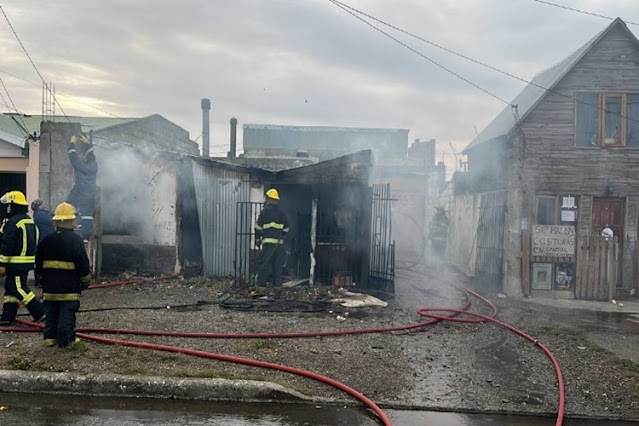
(19, 242)
(82, 195)
(271, 226)
(63, 266)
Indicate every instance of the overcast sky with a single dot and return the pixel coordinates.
(292, 62)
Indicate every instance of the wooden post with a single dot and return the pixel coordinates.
(604, 281)
(525, 262)
(610, 265)
(592, 261)
(315, 203)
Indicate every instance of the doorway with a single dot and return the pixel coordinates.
(610, 212)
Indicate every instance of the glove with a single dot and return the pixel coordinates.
(83, 139)
(74, 139)
(85, 282)
(3, 271)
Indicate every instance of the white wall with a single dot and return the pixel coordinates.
(33, 173)
(138, 195)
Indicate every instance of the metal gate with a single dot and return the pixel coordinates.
(382, 252)
(245, 259)
(490, 241)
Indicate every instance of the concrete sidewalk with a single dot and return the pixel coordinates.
(148, 387)
(623, 306)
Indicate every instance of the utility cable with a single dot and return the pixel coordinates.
(13, 104)
(432, 61)
(61, 94)
(585, 12)
(24, 49)
(354, 11)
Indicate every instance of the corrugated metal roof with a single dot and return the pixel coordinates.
(349, 139)
(534, 92)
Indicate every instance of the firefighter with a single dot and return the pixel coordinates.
(63, 266)
(439, 232)
(19, 236)
(270, 229)
(43, 219)
(82, 195)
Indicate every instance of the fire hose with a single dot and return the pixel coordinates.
(435, 314)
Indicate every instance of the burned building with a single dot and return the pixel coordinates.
(411, 172)
(339, 223)
(139, 179)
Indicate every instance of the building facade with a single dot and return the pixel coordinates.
(555, 169)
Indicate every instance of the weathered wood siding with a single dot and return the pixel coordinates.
(552, 163)
(630, 240)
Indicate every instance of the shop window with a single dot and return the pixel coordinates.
(552, 210)
(546, 210)
(607, 120)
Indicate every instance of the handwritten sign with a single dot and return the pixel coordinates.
(553, 241)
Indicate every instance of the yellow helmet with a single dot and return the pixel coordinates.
(14, 197)
(64, 211)
(273, 194)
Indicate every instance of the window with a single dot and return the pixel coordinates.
(551, 210)
(607, 120)
(546, 210)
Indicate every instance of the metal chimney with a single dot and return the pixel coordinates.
(233, 151)
(206, 107)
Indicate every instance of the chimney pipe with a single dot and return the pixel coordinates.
(206, 107)
(233, 151)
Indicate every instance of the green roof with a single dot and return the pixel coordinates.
(32, 122)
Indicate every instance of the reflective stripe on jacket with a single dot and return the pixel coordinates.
(19, 242)
(63, 265)
(271, 225)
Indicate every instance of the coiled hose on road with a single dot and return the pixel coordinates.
(435, 314)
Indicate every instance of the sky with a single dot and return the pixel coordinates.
(290, 62)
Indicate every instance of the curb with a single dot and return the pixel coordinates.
(147, 387)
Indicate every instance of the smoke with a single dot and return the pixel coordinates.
(138, 193)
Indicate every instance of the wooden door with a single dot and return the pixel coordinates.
(610, 212)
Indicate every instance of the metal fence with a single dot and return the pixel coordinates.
(245, 259)
(382, 252)
(490, 241)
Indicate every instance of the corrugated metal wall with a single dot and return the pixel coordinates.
(217, 191)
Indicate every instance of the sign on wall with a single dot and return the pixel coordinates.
(553, 240)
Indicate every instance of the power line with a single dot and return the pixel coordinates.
(61, 94)
(31, 60)
(354, 10)
(346, 9)
(12, 103)
(585, 12)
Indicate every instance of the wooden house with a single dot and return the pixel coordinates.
(553, 170)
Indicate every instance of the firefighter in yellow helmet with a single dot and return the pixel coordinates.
(270, 229)
(63, 266)
(19, 236)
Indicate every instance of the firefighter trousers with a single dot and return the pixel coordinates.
(270, 263)
(59, 327)
(16, 291)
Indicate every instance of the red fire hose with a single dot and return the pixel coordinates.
(425, 312)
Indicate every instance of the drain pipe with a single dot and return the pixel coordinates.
(206, 107)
